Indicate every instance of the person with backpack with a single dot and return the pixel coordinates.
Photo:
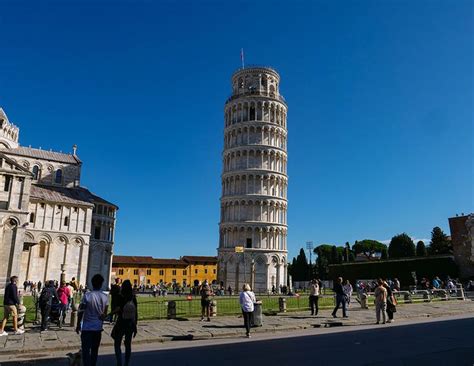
(45, 302)
(126, 325)
(206, 293)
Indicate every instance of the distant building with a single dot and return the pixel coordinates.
(361, 257)
(144, 270)
(462, 239)
(201, 268)
(50, 226)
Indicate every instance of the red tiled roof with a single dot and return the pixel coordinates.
(199, 259)
(143, 260)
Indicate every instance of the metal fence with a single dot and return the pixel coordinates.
(186, 307)
(415, 296)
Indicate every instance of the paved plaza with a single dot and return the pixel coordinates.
(34, 344)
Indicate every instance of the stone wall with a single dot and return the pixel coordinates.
(462, 237)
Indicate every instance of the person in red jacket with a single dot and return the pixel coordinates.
(64, 293)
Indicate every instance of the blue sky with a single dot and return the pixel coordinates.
(380, 119)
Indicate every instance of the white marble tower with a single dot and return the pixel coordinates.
(254, 183)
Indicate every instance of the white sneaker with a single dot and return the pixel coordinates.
(19, 331)
(3, 334)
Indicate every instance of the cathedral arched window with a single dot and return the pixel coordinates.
(66, 221)
(36, 172)
(32, 217)
(42, 249)
(59, 176)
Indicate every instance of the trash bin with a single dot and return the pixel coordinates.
(257, 314)
(363, 301)
(171, 309)
(282, 304)
(213, 308)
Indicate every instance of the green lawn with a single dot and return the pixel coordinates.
(30, 308)
(156, 307)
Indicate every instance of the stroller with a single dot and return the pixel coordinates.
(58, 313)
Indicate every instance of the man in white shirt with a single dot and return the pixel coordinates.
(92, 312)
(314, 297)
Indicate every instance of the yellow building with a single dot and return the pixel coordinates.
(144, 270)
(201, 268)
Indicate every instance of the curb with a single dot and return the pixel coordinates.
(190, 337)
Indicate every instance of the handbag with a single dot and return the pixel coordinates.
(113, 333)
(391, 307)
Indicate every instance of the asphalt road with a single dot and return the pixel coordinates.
(448, 342)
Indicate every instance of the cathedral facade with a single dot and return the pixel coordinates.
(51, 227)
(253, 226)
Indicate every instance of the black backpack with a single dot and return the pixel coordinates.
(46, 297)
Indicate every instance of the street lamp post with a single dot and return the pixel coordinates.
(310, 246)
(252, 275)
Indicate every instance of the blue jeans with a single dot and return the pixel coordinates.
(90, 342)
(340, 300)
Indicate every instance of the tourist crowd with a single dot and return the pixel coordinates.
(54, 300)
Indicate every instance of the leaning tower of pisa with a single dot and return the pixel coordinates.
(254, 183)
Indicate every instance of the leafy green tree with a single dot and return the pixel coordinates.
(440, 243)
(300, 267)
(368, 247)
(401, 246)
(421, 249)
(326, 255)
(384, 253)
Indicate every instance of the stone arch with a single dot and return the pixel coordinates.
(24, 163)
(61, 239)
(29, 237)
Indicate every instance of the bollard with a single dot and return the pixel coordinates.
(213, 308)
(407, 298)
(460, 292)
(444, 295)
(426, 296)
(73, 320)
(282, 304)
(257, 314)
(21, 316)
(171, 309)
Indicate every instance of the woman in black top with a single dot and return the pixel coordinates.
(391, 302)
(126, 325)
